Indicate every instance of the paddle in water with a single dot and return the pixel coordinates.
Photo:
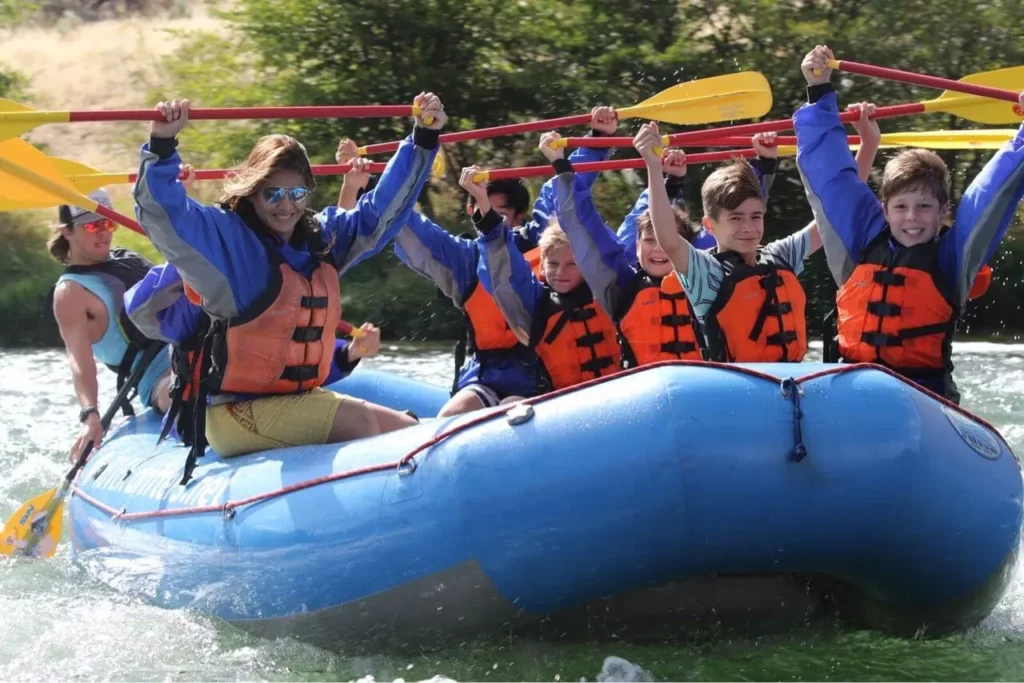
(35, 529)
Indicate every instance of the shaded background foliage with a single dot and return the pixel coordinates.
(496, 62)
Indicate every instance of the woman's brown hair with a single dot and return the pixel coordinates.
(273, 153)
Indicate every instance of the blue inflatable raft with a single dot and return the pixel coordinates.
(653, 500)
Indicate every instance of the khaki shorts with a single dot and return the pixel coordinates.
(272, 422)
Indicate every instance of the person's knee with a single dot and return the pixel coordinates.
(354, 419)
(160, 398)
(464, 401)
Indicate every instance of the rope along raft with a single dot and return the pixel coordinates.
(407, 464)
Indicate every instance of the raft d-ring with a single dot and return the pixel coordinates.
(228, 513)
(790, 383)
(407, 467)
(519, 413)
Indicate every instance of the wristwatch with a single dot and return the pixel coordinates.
(83, 414)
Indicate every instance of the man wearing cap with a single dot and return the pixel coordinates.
(88, 303)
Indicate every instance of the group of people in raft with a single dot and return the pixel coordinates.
(250, 306)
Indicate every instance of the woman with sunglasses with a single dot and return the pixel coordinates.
(88, 304)
(265, 268)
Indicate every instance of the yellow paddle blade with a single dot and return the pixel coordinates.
(752, 81)
(727, 106)
(32, 515)
(984, 109)
(84, 178)
(991, 138)
(28, 176)
(14, 128)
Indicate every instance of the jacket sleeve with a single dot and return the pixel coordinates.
(358, 234)
(847, 212)
(764, 169)
(983, 215)
(544, 207)
(434, 253)
(627, 233)
(341, 366)
(601, 257)
(506, 275)
(157, 305)
(215, 253)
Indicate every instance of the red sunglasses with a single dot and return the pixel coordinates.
(95, 226)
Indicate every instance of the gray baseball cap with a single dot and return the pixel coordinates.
(77, 215)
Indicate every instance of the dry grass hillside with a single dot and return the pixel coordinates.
(106, 64)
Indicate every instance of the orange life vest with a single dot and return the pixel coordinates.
(896, 310)
(659, 324)
(286, 343)
(758, 315)
(488, 329)
(574, 338)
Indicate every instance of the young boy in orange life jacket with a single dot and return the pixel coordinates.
(641, 293)
(747, 297)
(903, 281)
(558, 317)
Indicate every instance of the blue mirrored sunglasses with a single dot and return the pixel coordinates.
(298, 194)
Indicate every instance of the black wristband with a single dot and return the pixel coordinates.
(487, 222)
(816, 92)
(84, 413)
(562, 166)
(427, 138)
(162, 147)
(766, 165)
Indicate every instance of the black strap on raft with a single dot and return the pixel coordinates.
(791, 389)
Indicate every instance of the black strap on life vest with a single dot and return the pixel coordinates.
(588, 340)
(770, 282)
(198, 409)
(676, 321)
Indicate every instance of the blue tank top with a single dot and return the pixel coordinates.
(111, 347)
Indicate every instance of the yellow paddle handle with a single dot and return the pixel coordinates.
(416, 111)
(35, 116)
(481, 176)
(661, 150)
(833, 64)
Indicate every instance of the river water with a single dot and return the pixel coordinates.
(58, 623)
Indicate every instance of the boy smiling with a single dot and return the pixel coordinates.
(903, 280)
